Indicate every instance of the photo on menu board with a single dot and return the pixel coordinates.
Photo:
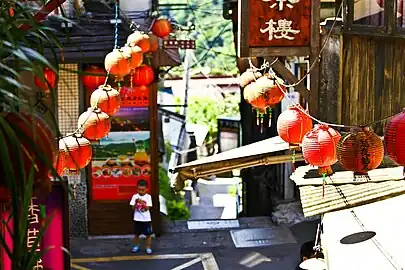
(119, 162)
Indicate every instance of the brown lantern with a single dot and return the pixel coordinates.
(139, 39)
(94, 123)
(117, 64)
(360, 151)
(78, 151)
(106, 99)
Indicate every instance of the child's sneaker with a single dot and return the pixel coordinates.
(149, 251)
(135, 249)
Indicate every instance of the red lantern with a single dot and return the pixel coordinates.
(248, 77)
(162, 28)
(293, 124)
(106, 99)
(49, 81)
(319, 148)
(139, 39)
(360, 151)
(394, 138)
(38, 133)
(143, 75)
(154, 42)
(117, 64)
(94, 123)
(96, 78)
(136, 56)
(78, 151)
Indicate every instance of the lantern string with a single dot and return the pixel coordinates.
(116, 25)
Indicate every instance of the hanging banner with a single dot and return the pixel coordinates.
(119, 162)
(274, 27)
(56, 235)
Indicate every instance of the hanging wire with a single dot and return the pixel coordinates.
(116, 26)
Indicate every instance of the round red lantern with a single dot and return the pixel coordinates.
(139, 39)
(48, 82)
(293, 124)
(143, 75)
(106, 99)
(32, 130)
(117, 63)
(94, 123)
(78, 151)
(319, 148)
(94, 77)
(136, 55)
(162, 28)
(154, 42)
(360, 151)
(394, 138)
(248, 77)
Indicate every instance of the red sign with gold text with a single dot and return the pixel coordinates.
(279, 23)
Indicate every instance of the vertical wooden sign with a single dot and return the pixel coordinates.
(274, 28)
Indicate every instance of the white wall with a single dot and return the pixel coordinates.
(135, 5)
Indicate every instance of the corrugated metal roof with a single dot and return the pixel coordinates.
(338, 197)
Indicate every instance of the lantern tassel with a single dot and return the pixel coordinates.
(257, 118)
(270, 117)
(323, 184)
(261, 122)
(74, 191)
(293, 160)
(131, 80)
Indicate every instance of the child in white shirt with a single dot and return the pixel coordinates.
(141, 203)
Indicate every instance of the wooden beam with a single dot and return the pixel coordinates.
(313, 59)
(286, 74)
(44, 11)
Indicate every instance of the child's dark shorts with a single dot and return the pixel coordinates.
(141, 227)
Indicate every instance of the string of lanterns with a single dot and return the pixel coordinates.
(359, 150)
(133, 59)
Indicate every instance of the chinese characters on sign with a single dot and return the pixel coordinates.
(283, 29)
(33, 230)
(280, 3)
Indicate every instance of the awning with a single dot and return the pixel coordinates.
(266, 152)
(344, 190)
(384, 251)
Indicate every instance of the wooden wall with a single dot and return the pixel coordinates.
(372, 78)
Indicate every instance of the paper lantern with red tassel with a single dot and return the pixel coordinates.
(162, 28)
(94, 123)
(394, 138)
(96, 78)
(117, 63)
(38, 133)
(78, 151)
(293, 124)
(319, 149)
(360, 151)
(139, 39)
(143, 75)
(106, 99)
(48, 82)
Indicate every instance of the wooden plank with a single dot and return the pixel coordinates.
(243, 28)
(154, 158)
(313, 59)
(286, 74)
(280, 51)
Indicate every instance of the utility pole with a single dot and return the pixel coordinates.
(187, 77)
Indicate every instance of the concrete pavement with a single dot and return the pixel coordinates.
(184, 249)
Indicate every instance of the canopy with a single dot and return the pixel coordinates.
(266, 152)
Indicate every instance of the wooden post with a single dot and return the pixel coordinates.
(155, 189)
(313, 59)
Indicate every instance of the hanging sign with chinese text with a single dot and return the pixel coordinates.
(274, 27)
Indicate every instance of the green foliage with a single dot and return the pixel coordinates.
(176, 207)
(178, 210)
(213, 34)
(206, 111)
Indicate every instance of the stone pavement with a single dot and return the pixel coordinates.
(184, 249)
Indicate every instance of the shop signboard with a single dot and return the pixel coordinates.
(56, 237)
